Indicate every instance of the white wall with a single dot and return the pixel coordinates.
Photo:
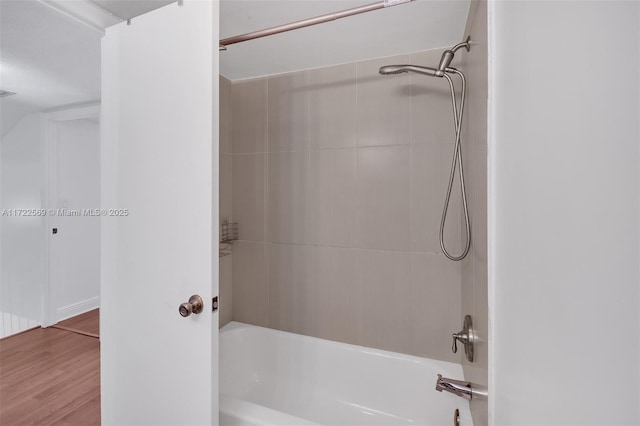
(22, 261)
(564, 217)
(21, 270)
(12, 110)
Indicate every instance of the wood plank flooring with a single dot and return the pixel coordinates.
(50, 376)
(87, 323)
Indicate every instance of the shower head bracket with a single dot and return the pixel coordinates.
(465, 44)
(468, 43)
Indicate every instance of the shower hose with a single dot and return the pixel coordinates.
(457, 161)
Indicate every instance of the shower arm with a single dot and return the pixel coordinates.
(466, 44)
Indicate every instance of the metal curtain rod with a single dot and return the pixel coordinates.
(309, 22)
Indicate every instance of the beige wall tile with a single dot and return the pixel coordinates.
(384, 104)
(466, 296)
(225, 194)
(478, 181)
(332, 195)
(477, 371)
(384, 197)
(249, 195)
(225, 116)
(226, 186)
(430, 169)
(249, 116)
(287, 197)
(290, 288)
(288, 116)
(226, 290)
(341, 220)
(250, 293)
(383, 300)
(332, 103)
(336, 275)
(481, 312)
(435, 306)
(431, 109)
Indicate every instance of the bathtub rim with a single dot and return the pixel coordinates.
(237, 326)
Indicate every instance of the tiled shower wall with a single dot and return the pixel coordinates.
(474, 266)
(338, 178)
(226, 202)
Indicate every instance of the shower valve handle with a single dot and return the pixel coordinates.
(459, 336)
(466, 337)
(193, 306)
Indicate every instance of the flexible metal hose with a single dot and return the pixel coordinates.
(457, 161)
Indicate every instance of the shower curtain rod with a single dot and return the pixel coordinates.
(309, 22)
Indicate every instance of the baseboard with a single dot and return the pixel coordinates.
(77, 308)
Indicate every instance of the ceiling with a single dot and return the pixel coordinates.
(128, 9)
(46, 59)
(50, 49)
(405, 28)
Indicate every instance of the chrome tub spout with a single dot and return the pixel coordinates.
(457, 387)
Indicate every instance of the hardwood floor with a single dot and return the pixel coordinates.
(50, 376)
(88, 323)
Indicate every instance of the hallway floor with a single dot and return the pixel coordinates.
(51, 376)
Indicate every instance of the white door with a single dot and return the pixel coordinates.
(159, 175)
(75, 226)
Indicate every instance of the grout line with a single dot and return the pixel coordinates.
(356, 288)
(386, 250)
(357, 148)
(310, 221)
(307, 190)
(337, 148)
(266, 255)
(265, 206)
(411, 224)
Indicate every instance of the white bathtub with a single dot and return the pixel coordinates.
(271, 377)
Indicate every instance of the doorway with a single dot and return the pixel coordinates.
(72, 200)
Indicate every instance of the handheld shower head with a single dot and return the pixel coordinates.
(398, 69)
(445, 61)
(392, 69)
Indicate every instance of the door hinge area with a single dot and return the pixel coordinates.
(214, 304)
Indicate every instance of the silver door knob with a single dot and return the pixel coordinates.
(193, 306)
